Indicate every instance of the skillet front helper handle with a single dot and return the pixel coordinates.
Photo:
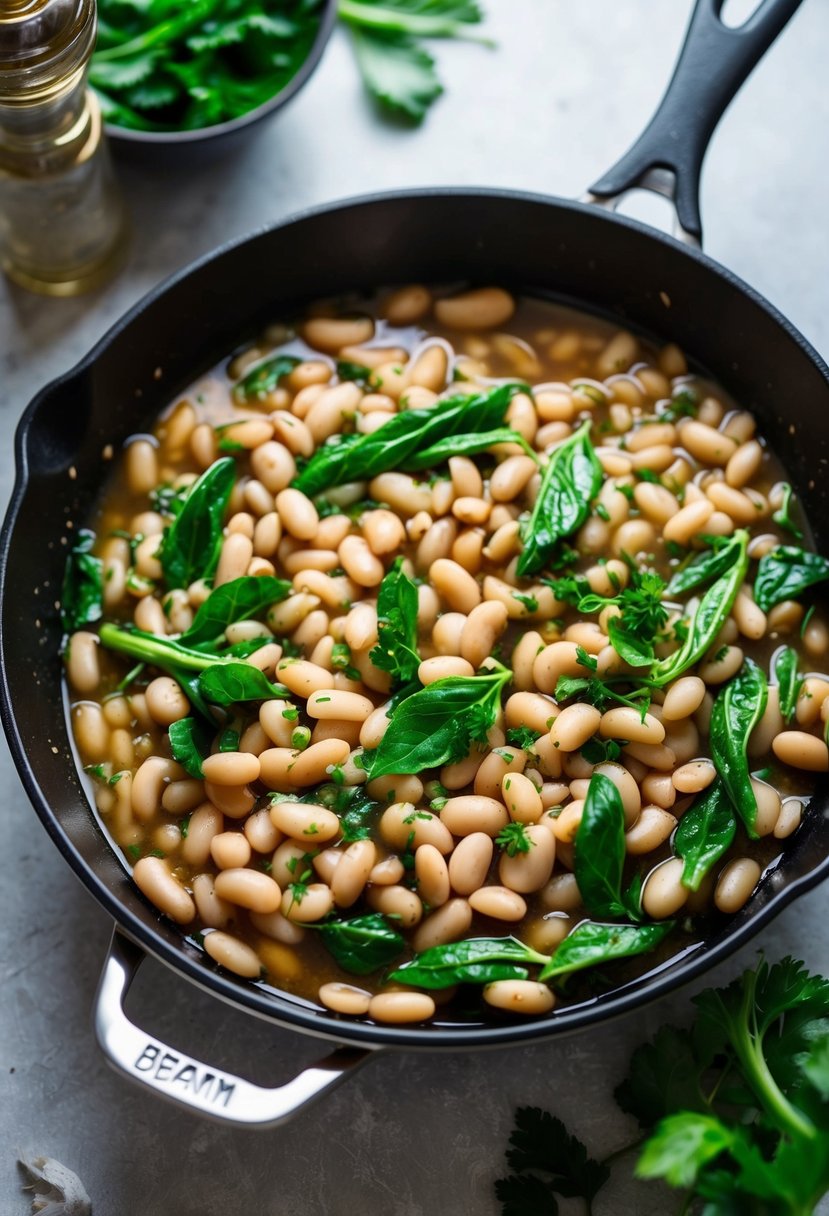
(190, 1082)
(714, 61)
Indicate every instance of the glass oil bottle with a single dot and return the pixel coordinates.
(61, 217)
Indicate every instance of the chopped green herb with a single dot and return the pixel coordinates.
(514, 839)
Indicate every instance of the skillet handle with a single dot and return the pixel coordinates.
(714, 61)
(190, 1082)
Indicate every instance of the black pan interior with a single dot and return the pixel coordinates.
(565, 250)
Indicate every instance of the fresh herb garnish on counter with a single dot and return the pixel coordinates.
(785, 573)
(738, 708)
(570, 482)
(396, 649)
(81, 597)
(397, 70)
(438, 724)
(735, 1109)
(399, 443)
(191, 544)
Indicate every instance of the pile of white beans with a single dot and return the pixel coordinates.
(218, 857)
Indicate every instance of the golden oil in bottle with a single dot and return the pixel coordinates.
(61, 216)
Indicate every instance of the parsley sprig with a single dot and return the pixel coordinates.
(642, 615)
(735, 1110)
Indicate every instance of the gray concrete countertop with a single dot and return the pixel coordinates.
(567, 89)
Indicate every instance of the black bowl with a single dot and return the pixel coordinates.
(188, 146)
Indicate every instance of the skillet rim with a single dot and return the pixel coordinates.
(677, 971)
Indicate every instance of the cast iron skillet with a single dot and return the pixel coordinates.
(567, 250)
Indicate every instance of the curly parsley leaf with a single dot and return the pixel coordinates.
(541, 1144)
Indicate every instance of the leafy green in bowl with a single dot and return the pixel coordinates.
(200, 67)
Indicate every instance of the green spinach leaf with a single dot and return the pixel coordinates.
(362, 944)
(710, 564)
(600, 850)
(81, 596)
(190, 744)
(264, 377)
(709, 618)
(191, 544)
(591, 944)
(467, 445)
(478, 960)
(705, 832)
(570, 483)
(228, 683)
(738, 708)
(399, 441)
(783, 515)
(396, 649)
(785, 573)
(437, 725)
(789, 683)
(239, 600)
